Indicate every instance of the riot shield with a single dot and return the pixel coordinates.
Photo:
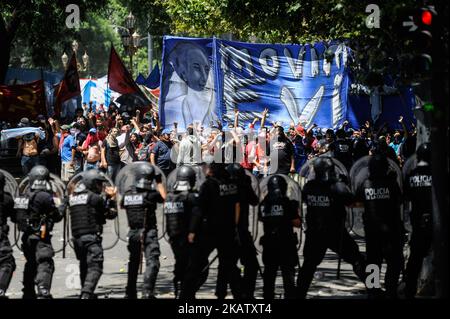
(307, 171)
(359, 172)
(253, 210)
(293, 189)
(170, 184)
(109, 235)
(293, 193)
(341, 173)
(10, 183)
(58, 192)
(11, 188)
(125, 181)
(408, 166)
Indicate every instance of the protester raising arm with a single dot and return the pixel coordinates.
(405, 131)
(344, 125)
(135, 125)
(103, 162)
(175, 128)
(54, 124)
(252, 125)
(308, 131)
(379, 130)
(91, 119)
(158, 124)
(55, 144)
(264, 116)
(213, 144)
(119, 121)
(138, 118)
(272, 129)
(236, 117)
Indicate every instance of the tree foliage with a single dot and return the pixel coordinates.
(35, 28)
(379, 50)
(38, 36)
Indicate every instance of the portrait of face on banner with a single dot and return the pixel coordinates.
(188, 90)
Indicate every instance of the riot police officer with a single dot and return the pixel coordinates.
(140, 204)
(35, 215)
(383, 228)
(219, 204)
(418, 191)
(279, 215)
(182, 212)
(326, 198)
(246, 248)
(7, 262)
(88, 213)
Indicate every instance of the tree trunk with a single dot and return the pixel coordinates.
(5, 52)
(4, 61)
(7, 34)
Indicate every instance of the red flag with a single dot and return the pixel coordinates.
(119, 79)
(69, 86)
(22, 100)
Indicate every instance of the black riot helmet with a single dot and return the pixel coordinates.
(423, 153)
(144, 177)
(2, 181)
(323, 168)
(277, 186)
(378, 166)
(93, 180)
(217, 169)
(185, 179)
(236, 171)
(39, 178)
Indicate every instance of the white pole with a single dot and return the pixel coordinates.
(149, 53)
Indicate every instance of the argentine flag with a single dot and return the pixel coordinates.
(97, 91)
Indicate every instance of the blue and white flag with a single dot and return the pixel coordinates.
(97, 91)
(295, 82)
(16, 132)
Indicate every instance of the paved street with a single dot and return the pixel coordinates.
(113, 281)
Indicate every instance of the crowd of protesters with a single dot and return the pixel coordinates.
(108, 140)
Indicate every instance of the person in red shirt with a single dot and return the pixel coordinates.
(102, 129)
(248, 146)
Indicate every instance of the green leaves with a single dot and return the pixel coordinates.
(293, 8)
(43, 36)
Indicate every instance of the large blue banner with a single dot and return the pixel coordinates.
(295, 82)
